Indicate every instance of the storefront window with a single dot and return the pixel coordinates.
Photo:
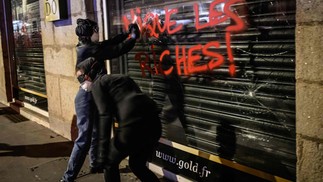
(29, 52)
(223, 74)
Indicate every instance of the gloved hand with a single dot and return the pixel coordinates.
(134, 31)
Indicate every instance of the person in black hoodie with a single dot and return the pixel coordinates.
(118, 98)
(89, 46)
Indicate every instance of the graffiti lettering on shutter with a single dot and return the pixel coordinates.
(187, 59)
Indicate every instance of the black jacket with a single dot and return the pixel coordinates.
(101, 51)
(119, 97)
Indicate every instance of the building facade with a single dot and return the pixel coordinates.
(238, 81)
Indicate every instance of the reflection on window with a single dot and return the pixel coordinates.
(223, 73)
(29, 52)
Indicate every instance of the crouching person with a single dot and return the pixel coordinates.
(119, 98)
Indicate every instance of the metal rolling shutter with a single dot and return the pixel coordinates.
(249, 118)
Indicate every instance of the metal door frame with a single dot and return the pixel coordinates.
(7, 41)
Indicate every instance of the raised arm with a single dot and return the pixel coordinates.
(120, 44)
(118, 38)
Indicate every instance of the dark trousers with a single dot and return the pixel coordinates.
(139, 127)
(137, 161)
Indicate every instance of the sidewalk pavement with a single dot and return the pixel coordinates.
(30, 152)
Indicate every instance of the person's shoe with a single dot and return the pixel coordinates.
(96, 170)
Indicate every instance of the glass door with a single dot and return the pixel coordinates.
(28, 52)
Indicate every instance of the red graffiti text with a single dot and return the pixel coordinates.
(187, 59)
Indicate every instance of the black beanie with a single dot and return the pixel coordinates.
(85, 27)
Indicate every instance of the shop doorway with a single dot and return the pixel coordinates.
(24, 63)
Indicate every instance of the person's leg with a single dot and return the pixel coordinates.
(144, 138)
(145, 149)
(82, 143)
(138, 160)
(111, 168)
